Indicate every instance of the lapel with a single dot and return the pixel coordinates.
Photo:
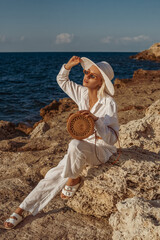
(96, 106)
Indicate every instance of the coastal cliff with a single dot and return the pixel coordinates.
(151, 54)
(118, 202)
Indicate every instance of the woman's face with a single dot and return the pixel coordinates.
(92, 78)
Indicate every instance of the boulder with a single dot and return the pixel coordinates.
(152, 54)
(154, 109)
(39, 130)
(136, 219)
(155, 49)
(8, 130)
(136, 173)
(24, 161)
(146, 76)
(57, 107)
(143, 133)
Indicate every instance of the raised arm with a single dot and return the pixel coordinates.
(72, 89)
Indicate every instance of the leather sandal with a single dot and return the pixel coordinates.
(14, 221)
(69, 191)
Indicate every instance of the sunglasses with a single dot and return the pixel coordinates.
(91, 75)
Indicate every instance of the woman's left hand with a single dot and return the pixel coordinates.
(87, 113)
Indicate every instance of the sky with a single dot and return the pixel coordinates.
(78, 25)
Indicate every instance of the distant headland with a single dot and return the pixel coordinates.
(152, 54)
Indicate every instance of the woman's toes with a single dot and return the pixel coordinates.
(8, 224)
(62, 195)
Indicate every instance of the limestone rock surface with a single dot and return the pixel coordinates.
(8, 130)
(136, 219)
(39, 130)
(136, 174)
(133, 96)
(143, 133)
(155, 49)
(27, 153)
(152, 54)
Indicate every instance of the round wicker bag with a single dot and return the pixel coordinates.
(79, 126)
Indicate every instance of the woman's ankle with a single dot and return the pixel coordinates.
(74, 181)
(19, 211)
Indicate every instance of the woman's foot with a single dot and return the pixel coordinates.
(70, 183)
(9, 225)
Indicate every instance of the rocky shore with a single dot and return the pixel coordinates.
(119, 202)
(151, 54)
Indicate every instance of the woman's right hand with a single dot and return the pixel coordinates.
(72, 62)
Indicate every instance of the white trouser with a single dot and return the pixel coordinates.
(79, 153)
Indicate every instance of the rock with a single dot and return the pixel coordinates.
(137, 174)
(12, 145)
(136, 218)
(120, 83)
(57, 107)
(154, 109)
(57, 222)
(24, 161)
(19, 174)
(155, 49)
(152, 54)
(52, 106)
(17, 186)
(24, 128)
(8, 130)
(143, 133)
(146, 76)
(36, 145)
(39, 130)
(133, 96)
(44, 170)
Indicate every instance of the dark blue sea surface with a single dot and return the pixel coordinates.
(28, 80)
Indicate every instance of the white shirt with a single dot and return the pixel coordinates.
(105, 109)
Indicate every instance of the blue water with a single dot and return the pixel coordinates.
(28, 80)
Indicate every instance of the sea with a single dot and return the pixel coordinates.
(28, 80)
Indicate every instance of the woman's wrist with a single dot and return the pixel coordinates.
(67, 67)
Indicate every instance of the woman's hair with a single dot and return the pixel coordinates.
(103, 90)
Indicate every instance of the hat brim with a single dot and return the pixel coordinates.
(86, 63)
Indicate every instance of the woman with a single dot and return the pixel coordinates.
(94, 99)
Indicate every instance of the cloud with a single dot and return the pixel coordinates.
(64, 38)
(10, 40)
(111, 39)
(2, 38)
(139, 38)
(106, 39)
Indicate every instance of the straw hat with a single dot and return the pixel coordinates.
(105, 69)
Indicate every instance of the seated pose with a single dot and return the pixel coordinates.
(94, 99)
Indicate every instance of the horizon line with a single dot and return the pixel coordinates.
(70, 52)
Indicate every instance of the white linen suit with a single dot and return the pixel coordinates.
(80, 152)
